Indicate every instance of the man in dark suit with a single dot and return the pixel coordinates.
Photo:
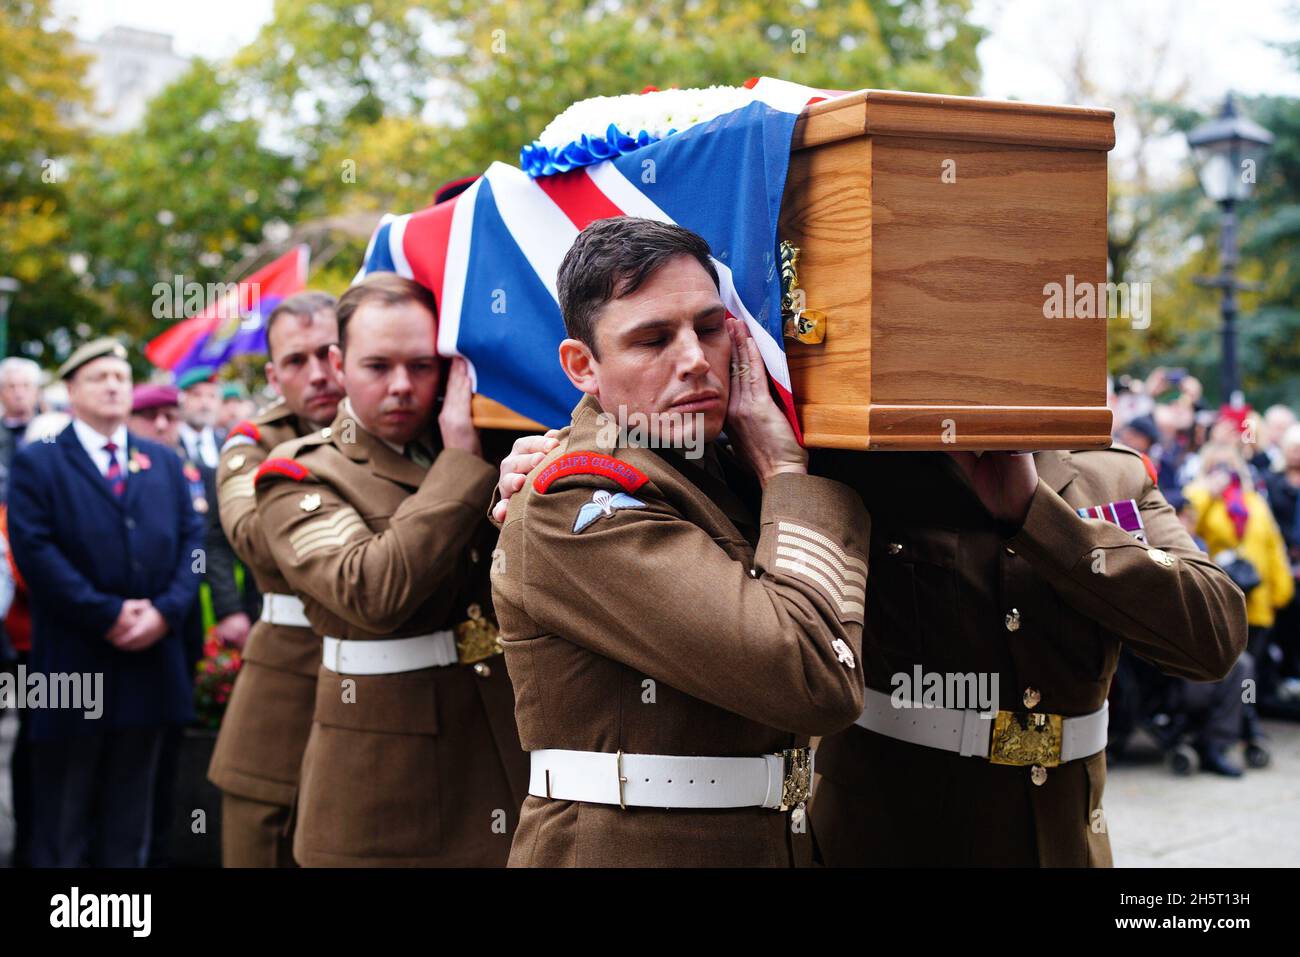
(104, 530)
(200, 406)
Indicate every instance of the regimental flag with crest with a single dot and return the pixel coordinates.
(235, 324)
(490, 256)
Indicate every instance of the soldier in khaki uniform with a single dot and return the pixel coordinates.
(377, 522)
(1027, 569)
(675, 635)
(1032, 569)
(264, 731)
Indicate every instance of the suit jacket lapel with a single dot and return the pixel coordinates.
(81, 460)
(717, 491)
(393, 466)
(134, 480)
(727, 492)
(1056, 469)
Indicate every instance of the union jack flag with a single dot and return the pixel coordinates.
(490, 255)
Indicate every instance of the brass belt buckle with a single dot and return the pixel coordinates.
(477, 638)
(1024, 738)
(796, 782)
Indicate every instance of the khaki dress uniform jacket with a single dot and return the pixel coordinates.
(1044, 608)
(682, 622)
(417, 768)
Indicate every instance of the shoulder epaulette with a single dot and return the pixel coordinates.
(1147, 464)
(246, 429)
(286, 467)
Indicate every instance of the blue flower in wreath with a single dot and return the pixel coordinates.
(537, 160)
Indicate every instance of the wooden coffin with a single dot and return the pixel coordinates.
(928, 228)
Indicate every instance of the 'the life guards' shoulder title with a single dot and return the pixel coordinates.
(590, 463)
(95, 349)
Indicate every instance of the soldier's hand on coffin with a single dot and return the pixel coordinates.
(756, 425)
(456, 420)
(525, 455)
(1004, 481)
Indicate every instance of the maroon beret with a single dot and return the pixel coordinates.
(150, 396)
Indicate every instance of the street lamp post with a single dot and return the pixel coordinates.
(8, 286)
(1227, 151)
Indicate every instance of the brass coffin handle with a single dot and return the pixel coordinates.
(798, 322)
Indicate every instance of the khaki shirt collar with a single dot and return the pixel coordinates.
(386, 460)
(1055, 468)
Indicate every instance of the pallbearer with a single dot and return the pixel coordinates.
(678, 621)
(264, 731)
(1031, 570)
(378, 522)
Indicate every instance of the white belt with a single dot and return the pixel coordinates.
(284, 610)
(968, 733)
(389, 656)
(776, 781)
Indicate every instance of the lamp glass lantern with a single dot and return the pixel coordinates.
(1227, 151)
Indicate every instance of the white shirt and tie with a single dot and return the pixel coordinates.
(96, 444)
(200, 444)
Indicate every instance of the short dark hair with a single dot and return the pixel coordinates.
(613, 258)
(304, 305)
(387, 288)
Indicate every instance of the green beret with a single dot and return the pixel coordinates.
(233, 390)
(193, 377)
(95, 349)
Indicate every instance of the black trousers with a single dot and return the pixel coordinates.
(92, 798)
(1220, 707)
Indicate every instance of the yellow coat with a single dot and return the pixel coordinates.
(1262, 544)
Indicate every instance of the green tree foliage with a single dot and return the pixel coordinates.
(340, 107)
(188, 193)
(1271, 336)
(41, 75)
(521, 63)
(1181, 244)
(416, 94)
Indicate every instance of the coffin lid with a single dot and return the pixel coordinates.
(930, 115)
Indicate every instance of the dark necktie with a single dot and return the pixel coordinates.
(116, 480)
(418, 454)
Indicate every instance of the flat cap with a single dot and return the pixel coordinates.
(89, 352)
(152, 396)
